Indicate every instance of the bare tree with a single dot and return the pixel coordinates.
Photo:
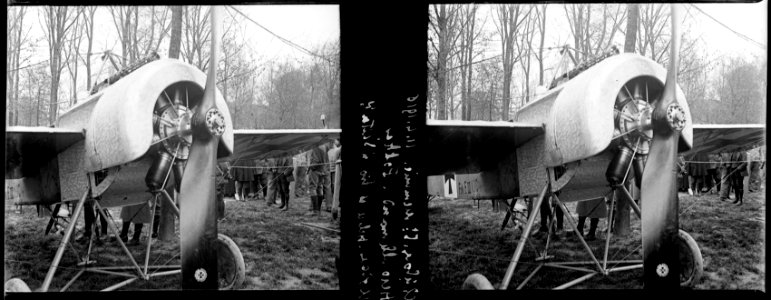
(740, 90)
(16, 40)
(525, 42)
(633, 11)
(72, 55)
(159, 28)
(468, 37)
(444, 33)
(592, 38)
(58, 21)
(653, 20)
(88, 25)
(176, 32)
(122, 19)
(541, 26)
(510, 19)
(141, 30)
(489, 74)
(196, 36)
(330, 75)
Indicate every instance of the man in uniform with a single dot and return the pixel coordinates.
(333, 155)
(259, 179)
(725, 181)
(270, 199)
(223, 175)
(319, 176)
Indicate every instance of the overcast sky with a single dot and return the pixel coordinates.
(748, 19)
(312, 25)
(308, 26)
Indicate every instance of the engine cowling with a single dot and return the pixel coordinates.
(579, 115)
(120, 118)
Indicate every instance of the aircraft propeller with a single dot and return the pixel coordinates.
(658, 192)
(198, 224)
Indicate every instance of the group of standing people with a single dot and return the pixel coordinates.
(250, 175)
(321, 175)
(261, 179)
(269, 179)
(705, 173)
(732, 176)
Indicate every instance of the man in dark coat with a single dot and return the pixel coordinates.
(738, 169)
(319, 176)
(697, 172)
(222, 176)
(284, 175)
(260, 189)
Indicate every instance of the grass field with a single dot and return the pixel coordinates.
(465, 239)
(279, 252)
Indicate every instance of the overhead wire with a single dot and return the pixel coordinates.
(729, 28)
(284, 40)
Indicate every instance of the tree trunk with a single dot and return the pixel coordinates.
(37, 107)
(16, 65)
(176, 32)
(90, 35)
(166, 229)
(542, 29)
(54, 97)
(442, 56)
(631, 27)
(622, 222)
(506, 95)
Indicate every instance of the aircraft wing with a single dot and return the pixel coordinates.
(34, 146)
(472, 146)
(266, 143)
(724, 138)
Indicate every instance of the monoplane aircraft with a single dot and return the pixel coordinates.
(618, 117)
(121, 145)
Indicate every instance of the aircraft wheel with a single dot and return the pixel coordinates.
(477, 281)
(691, 262)
(16, 285)
(230, 264)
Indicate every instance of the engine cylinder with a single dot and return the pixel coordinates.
(618, 165)
(161, 104)
(179, 169)
(639, 166)
(158, 170)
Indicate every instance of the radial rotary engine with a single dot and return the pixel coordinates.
(632, 115)
(172, 130)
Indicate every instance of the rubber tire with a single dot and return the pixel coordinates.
(691, 262)
(16, 285)
(230, 264)
(476, 281)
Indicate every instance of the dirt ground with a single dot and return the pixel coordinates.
(279, 251)
(466, 238)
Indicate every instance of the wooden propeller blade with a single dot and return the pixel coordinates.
(658, 192)
(198, 224)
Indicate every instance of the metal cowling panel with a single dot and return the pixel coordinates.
(120, 126)
(580, 124)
